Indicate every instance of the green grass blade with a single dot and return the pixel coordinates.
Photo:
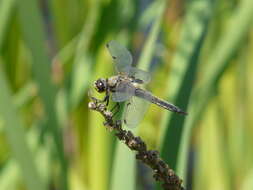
(123, 168)
(16, 139)
(181, 80)
(10, 174)
(6, 10)
(82, 64)
(248, 182)
(149, 14)
(24, 95)
(219, 59)
(149, 46)
(67, 52)
(35, 38)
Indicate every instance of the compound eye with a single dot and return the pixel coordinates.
(100, 86)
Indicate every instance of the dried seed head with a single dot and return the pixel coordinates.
(108, 114)
(92, 105)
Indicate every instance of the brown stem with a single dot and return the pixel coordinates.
(162, 172)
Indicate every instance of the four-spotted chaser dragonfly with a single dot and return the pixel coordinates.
(126, 87)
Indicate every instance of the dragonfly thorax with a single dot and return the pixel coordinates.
(113, 81)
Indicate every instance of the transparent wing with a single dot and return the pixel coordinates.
(121, 56)
(123, 92)
(134, 111)
(140, 75)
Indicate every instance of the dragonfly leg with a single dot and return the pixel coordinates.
(95, 99)
(116, 108)
(106, 98)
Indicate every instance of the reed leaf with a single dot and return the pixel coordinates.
(182, 77)
(237, 30)
(16, 138)
(35, 38)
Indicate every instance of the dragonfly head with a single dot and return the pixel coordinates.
(100, 85)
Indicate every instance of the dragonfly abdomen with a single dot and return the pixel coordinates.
(155, 100)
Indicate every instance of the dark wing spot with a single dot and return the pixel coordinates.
(114, 57)
(107, 45)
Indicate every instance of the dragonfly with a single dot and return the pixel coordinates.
(126, 87)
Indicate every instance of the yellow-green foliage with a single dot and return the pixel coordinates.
(199, 54)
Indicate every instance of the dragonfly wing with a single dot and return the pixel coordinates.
(135, 109)
(121, 56)
(139, 74)
(123, 92)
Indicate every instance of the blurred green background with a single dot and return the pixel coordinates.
(198, 53)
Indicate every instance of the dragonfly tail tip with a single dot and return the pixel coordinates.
(183, 113)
